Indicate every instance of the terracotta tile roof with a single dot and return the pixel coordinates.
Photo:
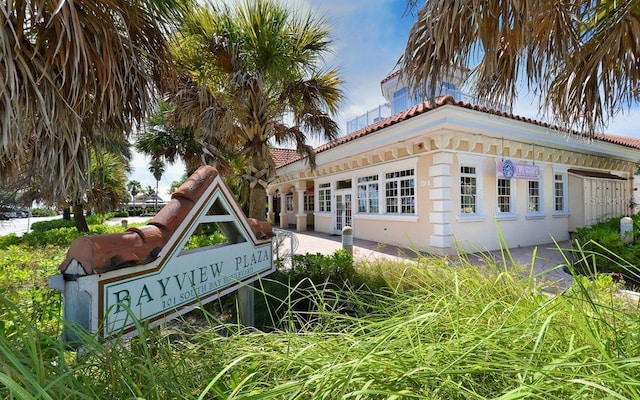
(390, 76)
(621, 140)
(449, 100)
(392, 120)
(284, 156)
(103, 253)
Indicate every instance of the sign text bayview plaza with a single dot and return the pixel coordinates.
(154, 273)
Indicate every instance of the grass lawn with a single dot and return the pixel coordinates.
(333, 331)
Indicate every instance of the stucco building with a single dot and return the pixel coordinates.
(453, 175)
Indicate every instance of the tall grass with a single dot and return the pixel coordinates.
(428, 330)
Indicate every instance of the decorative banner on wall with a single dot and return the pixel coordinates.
(509, 170)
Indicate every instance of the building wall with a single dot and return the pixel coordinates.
(323, 222)
(436, 148)
(519, 227)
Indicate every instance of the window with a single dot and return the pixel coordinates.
(368, 194)
(504, 196)
(289, 202)
(324, 197)
(400, 192)
(468, 190)
(308, 203)
(558, 193)
(345, 184)
(400, 100)
(448, 86)
(534, 197)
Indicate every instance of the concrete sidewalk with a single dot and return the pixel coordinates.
(547, 256)
(547, 262)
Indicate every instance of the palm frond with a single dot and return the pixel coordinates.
(70, 67)
(578, 57)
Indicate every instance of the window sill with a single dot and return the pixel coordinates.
(507, 217)
(561, 215)
(471, 218)
(535, 216)
(387, 217)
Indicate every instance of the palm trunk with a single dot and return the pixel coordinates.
(257, 203)
(78, 218)
(257, 194)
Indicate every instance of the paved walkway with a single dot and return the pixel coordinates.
(547, 263)
(547, 256)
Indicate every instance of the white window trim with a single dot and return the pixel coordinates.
(308, 206)
(410, 163)
(565, 192)
(383, 189)
(381, 171)
(541, 212)
(465, 160)
(512, 214)
(367, 198)
(288, 202)
(316, 200)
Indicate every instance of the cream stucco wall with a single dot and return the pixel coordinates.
(518, 228)
(436, 144)
(323, 222)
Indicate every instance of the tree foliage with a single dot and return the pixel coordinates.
(252, 77)
(579, 57)
(74, 71)
(160, 139)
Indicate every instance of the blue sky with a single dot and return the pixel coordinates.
(369, 37)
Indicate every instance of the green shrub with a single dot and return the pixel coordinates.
(599, 249)
(321, 268)
(9, 240)
(43, 226)
(93, 219)
(43, 212)
(204, 240)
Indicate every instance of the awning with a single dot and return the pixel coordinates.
(595, 174)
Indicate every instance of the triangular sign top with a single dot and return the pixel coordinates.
(183, 277)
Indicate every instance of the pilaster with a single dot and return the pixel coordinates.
(442, 203)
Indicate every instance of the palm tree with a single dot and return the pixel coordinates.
(134, 188)
(156, 167)
(72, 71)
(108, 190)
(253, 78)
(161, 140)
(580, 57)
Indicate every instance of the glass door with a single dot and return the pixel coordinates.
(342, 216)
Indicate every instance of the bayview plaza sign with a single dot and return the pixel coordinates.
(178, 276)
(154, 294)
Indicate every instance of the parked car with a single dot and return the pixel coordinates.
(23, 213)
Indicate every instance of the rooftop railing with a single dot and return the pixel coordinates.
(402, 102)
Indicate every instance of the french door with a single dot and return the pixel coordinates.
(342, 213)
